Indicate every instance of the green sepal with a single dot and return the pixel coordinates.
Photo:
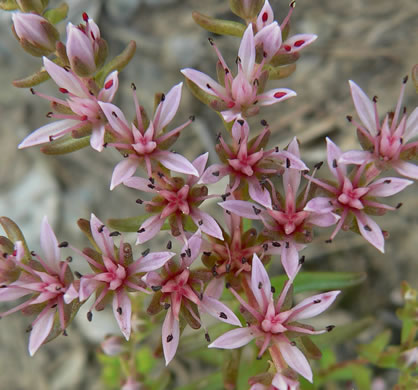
(254, 8)
(280, 72)
(204, 97)
(309, 348)
(117, 63)
(65, 145)
(32, 80)
(320, 281)
(219, 26)
(34, 50)
(31, 6)
(102, 52)
(364, 141)
(61, 52)
(14, 234)
(130, 224)
(284, 59)
(56, 15)
(8, 5)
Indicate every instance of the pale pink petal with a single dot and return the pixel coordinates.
(371, 231)
(294, 161)
(111, 85)
(259, 193)
(411, 128)
(290, 259)
(274, 96)
(152, 226)
(260, 283)
(271, 39)
(364, 107)
(87, 287)
(176, 162)
(235, 338)
(150, 262)
(312, 306)
(294, 358)
(12, 292)
(194, 243)
(265, 17)
(246, 52)
(64, 79)
(357, 157)
(388, 186)
(168, 108)
(319, 205)
(116, 119)
(49, 245)
(200, 163)
(123, 171)
(215, 288)
(323, 219)
(170, 336)
(41, 135)
(218, 310)
(333, 154)
(240, 131)
(97, 137)
(29, 26)
(207, 224)
(101, 236)
(40, 330)
(79, 47)
(71, 294)
(406, 169)
(231, 115)
(122, 310)
(139, 183)
(202, 81)
(298, 42)
(242, 208)
(213, 174)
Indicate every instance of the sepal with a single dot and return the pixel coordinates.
(15, 234)
(246, 9)
(218, 26)
(66, 144)
(281, 72)
(56, 15)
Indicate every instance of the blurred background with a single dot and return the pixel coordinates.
(374, 43)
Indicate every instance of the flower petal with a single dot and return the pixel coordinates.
(176, 162)
(357, 157)
(274, 96)
(116, 119)
(371, 231)
(138, 183)
(406, 169)
(259, 193)
(298, 42)
(235, 338)
(49, 245)
(202, 80)
(170, 336)
(333, 155)
(152, 226)
(411, 128)
(215, 288)
(218, 310)
(123, 171)
(122, 310)
(97, 137)
(167, 108)
(242, 208)
(213, 174)
(150, 262)
(388, 186)
(40, 330)
(364, 108)
(246, 52)
(207, 224)
(111, 85)
(290, 259)
(101, 236)
(260, 284)
(271, 39)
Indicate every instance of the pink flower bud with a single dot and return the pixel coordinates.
(36, 31)
(81, 49)
(131, 384)
(112, 345)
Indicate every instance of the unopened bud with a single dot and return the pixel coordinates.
(35, 34)
(112, 345)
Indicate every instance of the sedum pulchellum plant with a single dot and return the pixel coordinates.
(266, 183)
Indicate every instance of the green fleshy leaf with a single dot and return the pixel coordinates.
(130, 224)
(373, 350)
(320, 281)
(56, 15)
(284, 59)
(280, 72)
(343, 333)
(218, 26)
(204, 97)
(65, 145)
(15, 234)
(8, 5)
(118, 63)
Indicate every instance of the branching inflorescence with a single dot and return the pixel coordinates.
(268, 184)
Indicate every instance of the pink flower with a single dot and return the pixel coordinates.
(176, 291)
(386, 144)
(115, 274)
(239, 95)
(35, 30)
(268, 33)
(247, 162)
(83, 105)
(272, 324)
(46, 280)
(176, 199)
(147, 146)
(278, 382)
(82, 46)
(289, 221)
(352, 196)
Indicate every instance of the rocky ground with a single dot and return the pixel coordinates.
(373, 43)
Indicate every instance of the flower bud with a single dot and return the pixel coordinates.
(35, 34)
(112, 345)
(32, 5)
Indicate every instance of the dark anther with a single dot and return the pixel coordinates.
(63, 244)
(260, 285)
(276, 149)
(276, 244)
(224, 196)
(114, 234)
(162, 97)
(182, 255)
(151, 186)
(64, 333)
(287, 245)
(210, 40)
(228, 268)
(49, 114)
(334, 163)
(77, 274)
(216, 173)
(387, 181)
(273, 289)
(330, 327)
(142, 230)
(69, 259)
(317, 301)
(119, 310)
(89, 316)
(265, 246)
(374, 99)
(227, 285)
(368, 228)
(192, 118)
(33, 253)
(256, 210)
(263, 122)
(32, 91)
(318, 165)
(228, 212)
(200, 222)
(218, 137)
(189, 252)
(28, 329)
(243, 260)
(169, 245)
(259, 357)
(241, 122)
(169, 338)
(399, 205)
(105, 145)
(167, 306)
(293, 344)
(302, 260)
(349, 118)
(100, 228)
(208, 86)
(139, 201)
(207, 337)
(114, 114)
(287, 163)
(214, 273)
(133, 86)
(207, 253)
(223, 315)
(405, 79)
(145, 252)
